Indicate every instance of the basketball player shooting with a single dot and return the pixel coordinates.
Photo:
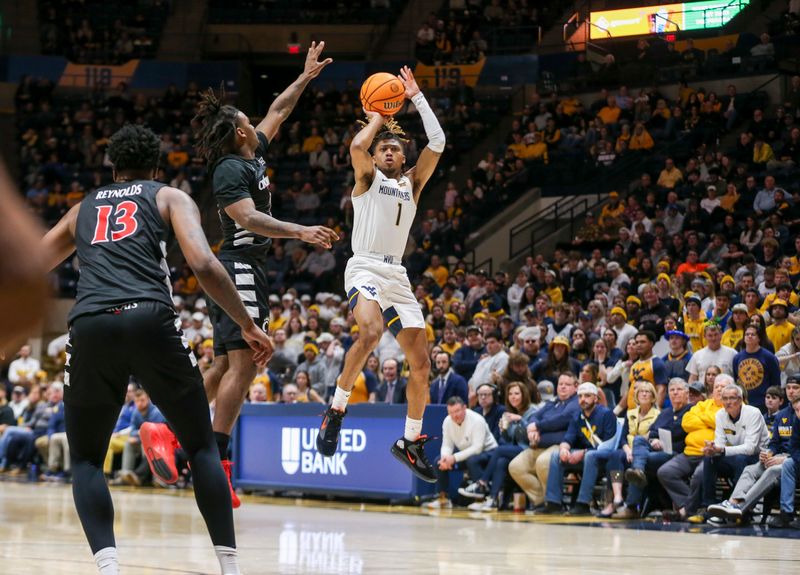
(124, 323)
(385, 198)
(235, 150)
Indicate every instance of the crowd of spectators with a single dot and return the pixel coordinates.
(62, 140)
(307, 11)
(464, 31)
(101, 31)
(678, 301)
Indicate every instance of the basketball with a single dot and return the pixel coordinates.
(383, 93)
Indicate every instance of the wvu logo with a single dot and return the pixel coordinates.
(299, 453)
(371, 290)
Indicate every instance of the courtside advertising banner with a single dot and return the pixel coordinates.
(275, 448)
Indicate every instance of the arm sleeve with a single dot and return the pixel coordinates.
(231, 183)
(558, 422)
(136, 423)
(775, 440)
(719, 433)
(659, 371)
(433, 130)
(572, 431)
(447, 440)
(370, 381)
(610, 426)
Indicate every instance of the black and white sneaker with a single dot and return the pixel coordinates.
(328, 437)
(475, 490)
(412, 455)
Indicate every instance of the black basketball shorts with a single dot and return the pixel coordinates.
(140, 339)
(250, 278)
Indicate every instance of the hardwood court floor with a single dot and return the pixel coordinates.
(160, 532)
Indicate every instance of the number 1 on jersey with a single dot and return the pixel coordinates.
(399, 213)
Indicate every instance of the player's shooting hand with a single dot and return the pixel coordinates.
(407, 78)
(260, 342)
(372, 115)
(319, 235)
(313, 65)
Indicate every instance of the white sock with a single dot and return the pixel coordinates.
(228, 560)
(340, 399)
(413, 429)
(107, 561)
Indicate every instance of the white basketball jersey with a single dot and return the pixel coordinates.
(383, 216)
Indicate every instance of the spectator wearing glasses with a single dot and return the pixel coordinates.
(760, 478)
(739, 436)
(489, 408)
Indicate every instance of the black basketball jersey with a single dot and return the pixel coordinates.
(121, 240)
(236, 178)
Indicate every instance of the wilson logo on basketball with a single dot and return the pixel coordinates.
(299, 452)
(392, 105)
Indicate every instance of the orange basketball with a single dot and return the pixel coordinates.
(383, 93)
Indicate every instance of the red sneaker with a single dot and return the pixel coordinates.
(158, 446)
(227, 465)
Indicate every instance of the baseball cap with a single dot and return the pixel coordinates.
(546, 389)
(697, 387)
(587, 388)
(529, 309)
(613, 266)
(794, 378)
(778, 301)
(325, 337)
(18, 389)
(613, 194)
(200, 303)
(198, 316)
(740, 307)
(475, 328)
(691, 296)
(585, 315)
(288, 297)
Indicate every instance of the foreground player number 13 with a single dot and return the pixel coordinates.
(124, 218)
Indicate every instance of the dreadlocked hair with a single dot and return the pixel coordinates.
(392, 131)
(216, 135)
(134, 147)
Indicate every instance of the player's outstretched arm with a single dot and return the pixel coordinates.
(245, 214)
(363, 164)
(283, 105)
(184, 216)
(429, 157)
(59, 242)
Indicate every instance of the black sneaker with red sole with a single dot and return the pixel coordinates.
(328, 437)
(412, 455)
